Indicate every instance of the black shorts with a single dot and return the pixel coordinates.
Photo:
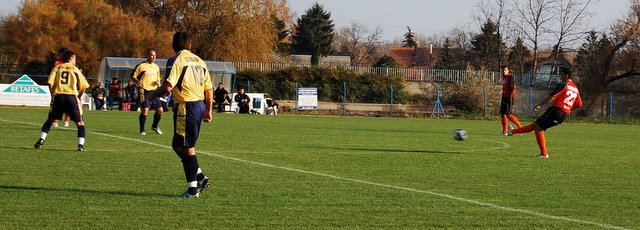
(146, 103)
(505, 105)
(67, 104)
(187, 118)
(552, 117)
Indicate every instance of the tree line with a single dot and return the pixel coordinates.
(514, 32)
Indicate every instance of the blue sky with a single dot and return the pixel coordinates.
(424, 16)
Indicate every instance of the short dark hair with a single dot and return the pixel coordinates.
(504, 66)
(565, 71)
(114, 79)
(181, 41)
(62, 50)
(150, 49)
(66, 56)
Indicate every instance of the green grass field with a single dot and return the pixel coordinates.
(318, 172)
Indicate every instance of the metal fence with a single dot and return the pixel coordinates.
(408, 74)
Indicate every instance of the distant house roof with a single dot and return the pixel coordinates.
(422, 57)
(562, 61)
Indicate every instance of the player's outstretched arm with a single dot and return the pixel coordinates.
(166, 88)
(547, 100)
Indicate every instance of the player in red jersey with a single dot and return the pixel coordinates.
(508, 96)
(565, 98)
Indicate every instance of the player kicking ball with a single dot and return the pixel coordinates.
(565, 98)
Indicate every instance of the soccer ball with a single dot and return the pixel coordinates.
(459, 134)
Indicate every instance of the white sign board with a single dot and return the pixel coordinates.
(257, 103)
(24, 92)
(308, 98)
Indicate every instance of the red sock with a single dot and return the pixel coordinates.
(505, 123)
(524, 129)
(542, 143)
(66, 118)
(514, 119)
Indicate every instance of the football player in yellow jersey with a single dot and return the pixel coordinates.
(66, 84)
(147, 75)
(188, 79)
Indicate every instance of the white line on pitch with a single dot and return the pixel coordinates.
(491, 205)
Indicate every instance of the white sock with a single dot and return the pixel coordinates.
(192, 184)
(81, 140)
(199, 171)
(43, 135)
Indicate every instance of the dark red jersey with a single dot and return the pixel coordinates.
(508, 86)
(567, 97)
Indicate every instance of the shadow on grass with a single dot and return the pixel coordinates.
(93, 192)
(43, 149)
(388, 150)
(383, 130)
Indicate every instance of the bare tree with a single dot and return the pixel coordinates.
(460, 39)
(569, 19)
(624, 31)
(606, 60)
(359, 42)
(534, 16)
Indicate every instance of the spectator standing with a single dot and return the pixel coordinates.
(115, 94)
(220, 95)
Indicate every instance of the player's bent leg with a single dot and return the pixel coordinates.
(524, 129)
(514, 119)
(156, 120)
(44, 131)
(46, 127)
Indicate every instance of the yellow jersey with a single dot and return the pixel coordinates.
(189, 77)
(148, 74)
(67, 79)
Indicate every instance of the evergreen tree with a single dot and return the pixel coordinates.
(409, 39)
(517, 55)
(314, 33)
(386, 61)
(590, 61)
(485, 47)
(446, 60)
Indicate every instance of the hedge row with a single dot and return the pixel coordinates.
(361, 88)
